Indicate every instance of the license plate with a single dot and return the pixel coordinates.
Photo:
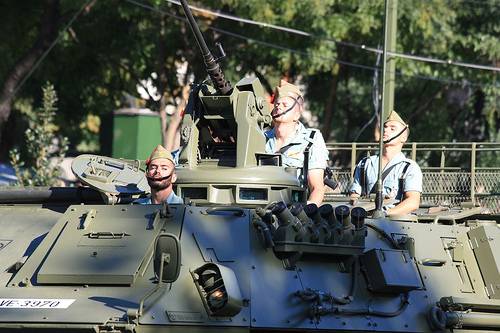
(34, 303)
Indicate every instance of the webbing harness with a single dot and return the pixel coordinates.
(306, 153)
(306, 156)
(364, 184)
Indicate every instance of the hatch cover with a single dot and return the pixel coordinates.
(110, 175)
(102, 245)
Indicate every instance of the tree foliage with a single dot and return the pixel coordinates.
(44, 151)
(115, 45)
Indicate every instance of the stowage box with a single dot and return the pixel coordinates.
(390, 271)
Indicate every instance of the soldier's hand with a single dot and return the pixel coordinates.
(353, 199)
(379, 214)
(185, 92)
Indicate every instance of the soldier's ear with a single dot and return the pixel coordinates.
(297, 113)
(174, 177)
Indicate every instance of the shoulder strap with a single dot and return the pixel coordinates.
(306, 155)
(306, 159)
(402, 176)
(311, 137)
(362, 174)
(283, 149)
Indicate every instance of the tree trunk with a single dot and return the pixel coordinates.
(163, 124)
(162, 80)
(47, 33)
(347, 105)
(331, 102)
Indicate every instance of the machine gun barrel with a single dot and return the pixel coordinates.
(213, 69)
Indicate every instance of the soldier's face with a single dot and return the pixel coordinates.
(160, 174)
(391, 129)
(287, 109)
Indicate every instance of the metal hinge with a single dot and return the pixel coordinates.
(116, 327)
(473, 245)
(486, 291)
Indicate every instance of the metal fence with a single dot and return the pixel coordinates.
(452, 172)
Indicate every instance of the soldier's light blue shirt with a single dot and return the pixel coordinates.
(171, 199)
(412, 178)
(297, 143)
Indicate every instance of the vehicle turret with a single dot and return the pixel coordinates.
(223, 159)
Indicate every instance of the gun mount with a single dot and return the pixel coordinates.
(223, 160)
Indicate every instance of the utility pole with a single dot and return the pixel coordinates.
(391, 21)
(388, 78)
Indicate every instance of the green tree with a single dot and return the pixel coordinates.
(113, 45)
(44, 151)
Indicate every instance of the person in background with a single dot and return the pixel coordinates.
(290, 138)
(401, 177)
(172, 136)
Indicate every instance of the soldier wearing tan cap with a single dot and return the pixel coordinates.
(294, 142)
(160, 174)
(401, 177)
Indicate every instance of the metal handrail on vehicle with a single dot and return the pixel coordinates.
(453, 171)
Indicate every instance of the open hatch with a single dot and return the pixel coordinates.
(112, 177)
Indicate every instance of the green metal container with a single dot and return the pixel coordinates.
(135, 133)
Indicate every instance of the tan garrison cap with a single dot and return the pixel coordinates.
(285, 88)
(394, 116)
(160, 152)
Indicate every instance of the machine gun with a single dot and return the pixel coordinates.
(222, 123)
(213, 69)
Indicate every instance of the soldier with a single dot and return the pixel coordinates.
(172, 135)
(160, 174)
(401, 178)
(294, 142)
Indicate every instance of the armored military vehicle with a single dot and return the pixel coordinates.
(244, 253)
